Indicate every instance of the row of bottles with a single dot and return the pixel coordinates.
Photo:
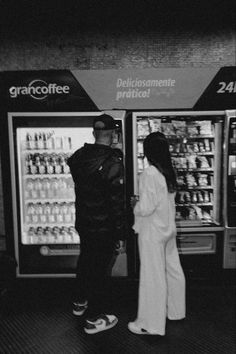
(46, 163)
(47, 141)
(49, 188)
(52, 235)
(50, 213)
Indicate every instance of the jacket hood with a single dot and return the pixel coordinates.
(88, 159)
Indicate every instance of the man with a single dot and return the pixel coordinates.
(98, 172)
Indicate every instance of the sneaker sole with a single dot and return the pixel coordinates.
(78, 313)
(94, 331)
(142, 332)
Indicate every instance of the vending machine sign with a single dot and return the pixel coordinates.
(38, 89)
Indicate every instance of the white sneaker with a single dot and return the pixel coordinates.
(100, 323)
(134, 329)
(79, 309)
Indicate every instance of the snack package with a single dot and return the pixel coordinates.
(205, 127)
(140, 147)
(143, 127)
(155, 124)
(140, 164)
(167, 128)
(203, 162)
(201, 146)
(191, 161)
(178, 215)
(190, 148)
(171, 148)
(177, 148)
(187, 197)
(191, 181)
(200, 197)
(183, 162)
(179, 127)
(206, 197)
(202, 180)
(195, 147)
(191, 214)
(180, 180)
(198, 212)
(194, 197)
(207, 145)
(192, 128)
(181, 197)
(206, 216)
(145, 163)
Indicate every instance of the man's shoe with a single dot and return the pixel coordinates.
(100, 323)
(79, 309)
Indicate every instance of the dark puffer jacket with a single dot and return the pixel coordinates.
(98, 174)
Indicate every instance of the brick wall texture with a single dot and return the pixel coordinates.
(89, 34)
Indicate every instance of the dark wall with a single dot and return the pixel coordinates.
(95, 34)
(109, 34)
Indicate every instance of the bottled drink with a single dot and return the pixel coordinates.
(57, 142)
(45, 188)
(29, 186)
(28, 214)
(36, 138)
(38, 187)
(30, 145)
(57, 165)
(48, 141)
(66, 168)
(51, 216)
(40, 141)
(55, 187)
(61, 188)
(27, 164)
(65, 213)
(48, 165)
(47, 212)
(32, 166)
(35, 218)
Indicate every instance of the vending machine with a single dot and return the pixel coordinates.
(46, 115)
(196, 146)
(46, 242)
(229, 260)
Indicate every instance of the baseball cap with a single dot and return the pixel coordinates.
(104, 122)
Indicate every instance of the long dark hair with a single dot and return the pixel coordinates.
(156, 149)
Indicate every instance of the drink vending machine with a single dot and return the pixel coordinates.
(46, 242)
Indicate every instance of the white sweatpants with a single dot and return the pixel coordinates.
(162, 285)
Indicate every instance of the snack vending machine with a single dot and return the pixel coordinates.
(229, 260)
(196, 145)
(46, 241)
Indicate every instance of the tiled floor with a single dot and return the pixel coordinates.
(36, 318)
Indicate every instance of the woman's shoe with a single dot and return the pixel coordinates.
(134, 329)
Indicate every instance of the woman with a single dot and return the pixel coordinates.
(162, 281)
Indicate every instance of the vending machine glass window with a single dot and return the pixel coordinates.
(195, 141)
(46, 187)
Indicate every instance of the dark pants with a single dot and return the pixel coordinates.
(92, 273)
